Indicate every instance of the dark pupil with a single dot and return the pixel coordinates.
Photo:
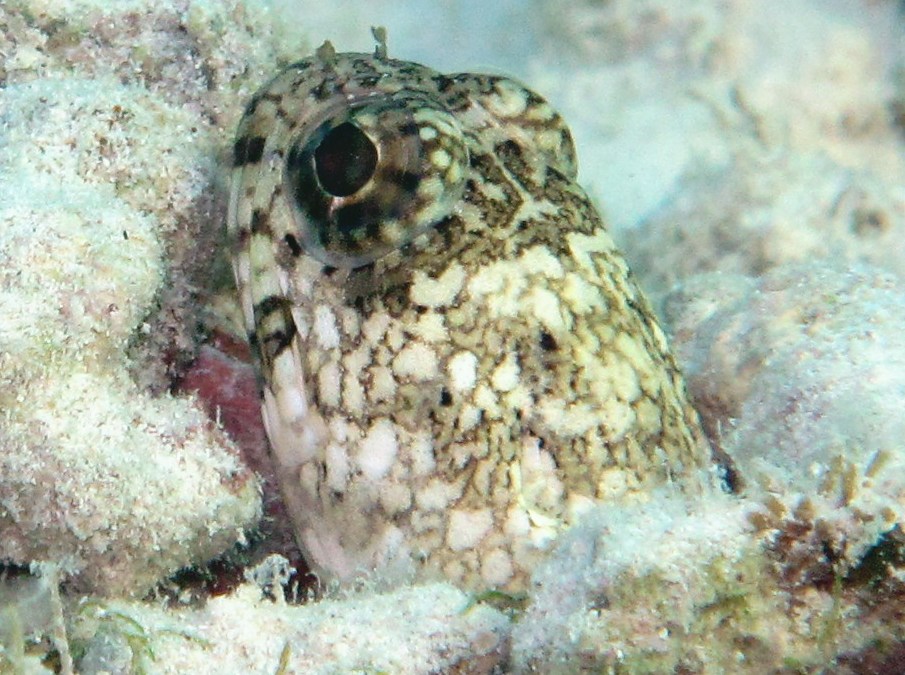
(345, 160)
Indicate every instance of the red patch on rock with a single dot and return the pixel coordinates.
(227, 389)
(224, 381)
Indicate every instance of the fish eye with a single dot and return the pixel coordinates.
(373, 176)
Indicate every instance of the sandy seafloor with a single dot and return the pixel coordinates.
(749, 157)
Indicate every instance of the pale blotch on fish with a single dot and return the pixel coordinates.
(455, 360)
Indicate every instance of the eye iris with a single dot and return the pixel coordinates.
(345, 160)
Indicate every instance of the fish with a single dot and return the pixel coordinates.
(455, 360)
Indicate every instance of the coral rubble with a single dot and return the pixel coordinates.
(109, 167)
(420, 629)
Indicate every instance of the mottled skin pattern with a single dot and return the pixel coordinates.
(455, 360)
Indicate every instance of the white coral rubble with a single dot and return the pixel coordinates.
(103, 178)
(117, 486)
